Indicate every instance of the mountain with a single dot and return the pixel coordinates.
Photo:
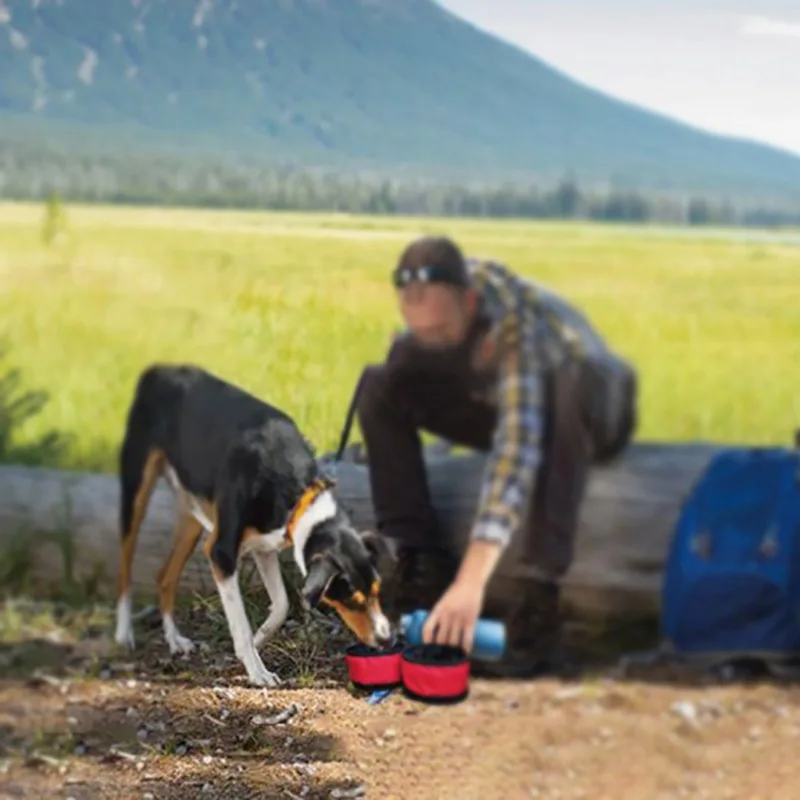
(395, 84)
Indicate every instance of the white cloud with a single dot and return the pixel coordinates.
(763, 26)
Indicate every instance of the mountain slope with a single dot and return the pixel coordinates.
(374, 82)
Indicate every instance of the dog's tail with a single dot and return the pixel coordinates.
(139, 442)
(140, 463)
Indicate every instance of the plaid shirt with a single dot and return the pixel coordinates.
(530, 326)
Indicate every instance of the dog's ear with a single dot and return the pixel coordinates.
(320, 575)
(378, 547)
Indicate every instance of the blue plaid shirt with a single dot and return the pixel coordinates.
(529, 327)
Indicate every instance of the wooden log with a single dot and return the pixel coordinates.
(625, 529)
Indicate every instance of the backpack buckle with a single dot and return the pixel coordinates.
(700, 545)
(769, 544)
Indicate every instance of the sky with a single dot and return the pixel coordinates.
(729, 66)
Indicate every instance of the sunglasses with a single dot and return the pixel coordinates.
(405, 276)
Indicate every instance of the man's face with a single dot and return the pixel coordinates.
(437, 315)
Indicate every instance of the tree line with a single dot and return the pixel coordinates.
(138, 178)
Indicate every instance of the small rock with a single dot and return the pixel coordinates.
(207, 759)
(389, 733)
(685, 710)
(344, 794)
(570, 693)
(148, 796)
(207, 787)
(276, 719)
(511, 704)
(754, 733)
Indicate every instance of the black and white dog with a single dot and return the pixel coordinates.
(245, 474)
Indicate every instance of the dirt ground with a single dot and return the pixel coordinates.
(79, 719)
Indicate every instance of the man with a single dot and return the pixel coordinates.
(486, 362)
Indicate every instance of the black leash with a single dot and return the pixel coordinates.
(348, 423)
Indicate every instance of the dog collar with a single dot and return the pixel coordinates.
(310, 494)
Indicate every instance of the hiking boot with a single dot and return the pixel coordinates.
(533, 634)
(419, 579)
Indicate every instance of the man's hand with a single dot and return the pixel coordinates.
(453, 618)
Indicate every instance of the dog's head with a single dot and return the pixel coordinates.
(343, 574)
(341, 568)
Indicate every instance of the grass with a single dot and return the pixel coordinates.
(292, 306)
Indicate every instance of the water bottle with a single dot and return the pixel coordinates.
(489, 641)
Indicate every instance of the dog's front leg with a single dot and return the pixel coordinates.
(270, 570)
(242, 633)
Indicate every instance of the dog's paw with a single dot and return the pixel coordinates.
(176, 643)
(264, 678)
(179, 644)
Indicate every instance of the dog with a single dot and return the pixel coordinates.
(244, 474)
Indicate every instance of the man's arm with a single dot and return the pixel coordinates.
(515, 456)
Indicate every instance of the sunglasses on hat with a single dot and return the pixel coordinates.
(405, 276)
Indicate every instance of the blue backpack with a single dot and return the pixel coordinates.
(732, 581)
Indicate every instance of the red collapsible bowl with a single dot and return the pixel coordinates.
(371, 668)
(435, 673)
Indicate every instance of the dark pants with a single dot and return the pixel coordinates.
(417, 390)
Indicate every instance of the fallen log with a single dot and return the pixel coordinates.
(626, 523)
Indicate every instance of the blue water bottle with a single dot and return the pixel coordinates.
(489, 642)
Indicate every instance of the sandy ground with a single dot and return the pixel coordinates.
(78, 719)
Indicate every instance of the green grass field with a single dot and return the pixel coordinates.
(292, 306)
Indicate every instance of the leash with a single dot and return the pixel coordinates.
(348, 426)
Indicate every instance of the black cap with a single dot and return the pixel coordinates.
(431, 259)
